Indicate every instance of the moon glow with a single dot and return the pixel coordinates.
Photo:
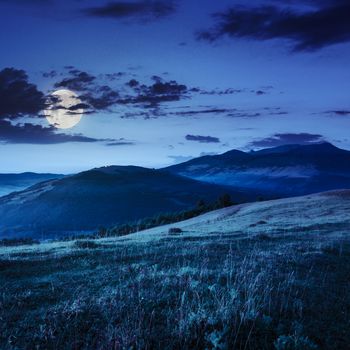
(62, 114)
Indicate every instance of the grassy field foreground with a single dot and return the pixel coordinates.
(270, 275)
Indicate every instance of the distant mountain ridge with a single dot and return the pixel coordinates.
(101, 197)
(17, 182)
(115, 195)
(285, 171)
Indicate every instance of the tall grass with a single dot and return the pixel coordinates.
(207, 293)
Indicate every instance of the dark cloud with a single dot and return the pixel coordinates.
(244, 114)
(167, 88)
(144, 10)
(114, 76)
(204, 111)
(321, 26)
(18, 97)
(288, 139)
(36, 134)
(94, 95)
(228, 91)
(79, 81)
(218, 92)
(186, 111)
(50, 74)
(158, 92)
(120, 142)
(341, 112)
(202, 139)
(133, 83)
(101, 98)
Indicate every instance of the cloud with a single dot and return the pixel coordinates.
(326, 24)
(154, 94)
(114, 76)
(50, 74)
(202, 139)
(287, 139)
(18, 97)
(97, 93)
(78, 81)
(105, 91)
(92, 93)
(37, 134)
(140, 10)
(229, 91)
(218, 92)
(340, 112)
(120, 142)
(204, 111)
(244, 114)
(133, 83)
(100, 98)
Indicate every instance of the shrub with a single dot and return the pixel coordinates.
(263, 237)
(174, 231)
(224, 201)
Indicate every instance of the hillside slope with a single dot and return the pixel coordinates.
(100, 197)
(271, 275)
(18, 182)
(286, 170)
(323, 211)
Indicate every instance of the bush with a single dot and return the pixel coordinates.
(224, 201)
(262, 237)
(174, 231)
(164, 218)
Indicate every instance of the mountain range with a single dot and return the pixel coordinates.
(120, 194)
(282, 171)
(102, 197)
(17, 182)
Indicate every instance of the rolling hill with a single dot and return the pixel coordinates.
(101, 197)
(284, 171)
(267, 275)
(18, 182)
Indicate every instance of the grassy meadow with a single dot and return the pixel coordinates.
(271, 275)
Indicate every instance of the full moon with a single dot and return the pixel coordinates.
(61, 114)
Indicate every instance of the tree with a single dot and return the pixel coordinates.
(224, 201)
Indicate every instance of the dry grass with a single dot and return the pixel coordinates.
(268, 289)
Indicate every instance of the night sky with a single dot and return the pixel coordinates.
(163, 81)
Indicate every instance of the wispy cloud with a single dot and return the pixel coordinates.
(37, 134)
(138, 10)
(287, 138)
(339, 112)
(202, 139)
